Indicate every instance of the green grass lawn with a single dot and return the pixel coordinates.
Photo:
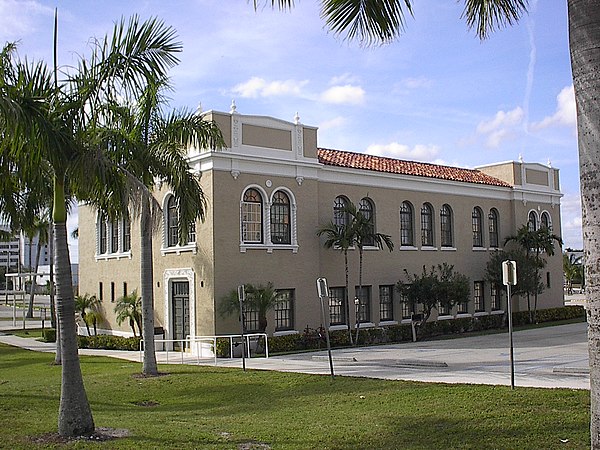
(217, 408)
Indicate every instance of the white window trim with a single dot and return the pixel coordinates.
(182, 274)
(481, 313)
(285, 332)
(385, 323)
(111, 253)
(267, 244)
(448, 249)
(338, 327)
(409, 248)
(463, 315)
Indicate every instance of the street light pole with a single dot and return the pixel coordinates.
(323, 292)
(509, 278)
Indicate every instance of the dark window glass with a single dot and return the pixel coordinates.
(364, 304)
(126, 234)
(477, 227)
(493, 226)
(337, 306)
(280, 219)
(368, 211)
(446, 226)
(284, 310)
(172, 223)
(386, 303)
(406, 224)
(532, 221)
(427, 225)
(103, 235)
(114, 236)
(341, 217)
(495, 297)
(478, 299)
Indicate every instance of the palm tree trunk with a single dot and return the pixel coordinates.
(34, 279)
(360, 266)
(347, 306)
(147, 284)
(51, 276)
(75, 416)
(584, 35)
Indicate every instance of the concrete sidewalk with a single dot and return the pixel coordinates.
(544, 357)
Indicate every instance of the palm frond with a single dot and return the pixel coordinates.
(486, 16)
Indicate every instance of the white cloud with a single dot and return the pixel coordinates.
(570, 206)
(502, 127)
(347, 94)
(345, 78)
(336, 122)
(419, 152)
(17, 17)
(565, 114)
(259, 87)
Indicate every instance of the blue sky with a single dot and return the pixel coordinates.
(437, 94)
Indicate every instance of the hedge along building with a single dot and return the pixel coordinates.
(268, 193)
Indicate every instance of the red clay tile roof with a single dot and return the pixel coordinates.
(381, 164)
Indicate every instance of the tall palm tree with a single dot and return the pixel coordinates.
(525, 239)
(58, 121)
(150, 145)
(340, 237)
(382, 21)
(363, 230)
(129, 308)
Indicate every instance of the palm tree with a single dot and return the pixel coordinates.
(572, 267)
(129, 307)
(152, 146)
(525, 239)
(382, 22)
(88, 308)
(340, 237)
(259, 298)
(363, 230)
(38, 228)
(57, 122)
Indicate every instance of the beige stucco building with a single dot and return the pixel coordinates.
(269, 191)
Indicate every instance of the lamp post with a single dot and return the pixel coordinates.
(509, 278)
(323, 292)
(242, 298)
(357, 306)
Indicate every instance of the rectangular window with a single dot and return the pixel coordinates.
(548, 280)
(495, 297)
(462, 308)
(112, 291)
(102, 245)
(386, 303)
(114, 236)
(252, 222)
(124, 289)
(251, 320)
(364, 304)
(478, 299)
(100, 291)
(284, 310)
(407, 307)
(126, 235)
(443, 310)
(337, 306)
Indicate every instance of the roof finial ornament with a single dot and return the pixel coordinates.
(520, 158)
(297, 119)
(549, 163)
(199, 108)
(233, 107)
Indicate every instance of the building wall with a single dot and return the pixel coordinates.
(219, 262)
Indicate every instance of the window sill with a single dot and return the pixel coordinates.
(463, 315)
(448, 249)
(338, 327)
(107, 256)
(479, 249)
(429, 248)
(481, 313)
(445, 317)
(386, 323)
(409, 248)
(498, 311)
(178, 249)
(365, 325)
(285, 332)
(268, 247)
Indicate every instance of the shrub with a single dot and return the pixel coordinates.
(108, 342)
(49, 335)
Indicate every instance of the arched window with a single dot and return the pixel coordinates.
(341, 218)
(532, 222)
(252, 217)
(368, 211)
(280, 219)
(406, 225)
(493, 227)
(172, 222)
(477, 227)
(114, 236)
(545, 221)
(426, 225)
(446, 226)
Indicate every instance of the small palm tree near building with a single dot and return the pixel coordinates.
(129, 308)
(260, 299)
(88, 308)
